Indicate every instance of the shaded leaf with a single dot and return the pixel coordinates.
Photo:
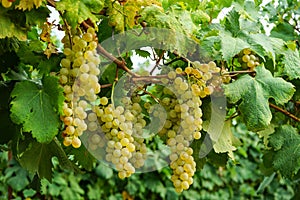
(285, 143)
(37, 158)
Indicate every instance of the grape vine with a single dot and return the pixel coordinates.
(84, 96)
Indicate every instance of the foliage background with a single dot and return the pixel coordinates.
(258, 171)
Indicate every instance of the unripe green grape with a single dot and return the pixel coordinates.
(82, 44)
(88, 37)
(93, 45)
(172, 75)
(252, 57)
(76, 142)
(65, 63)
(246, 51)
(246, 58)
(251, 64)
(68, 51)
(67, 141)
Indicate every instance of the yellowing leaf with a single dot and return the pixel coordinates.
(51, 49)
(37, 107)
(29, 4)
(226, 141)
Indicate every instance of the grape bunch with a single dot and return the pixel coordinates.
(182, 125)
(121, 130)
(6, 3)
(79, 79)
(248, 59)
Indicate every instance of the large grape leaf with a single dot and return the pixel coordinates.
(37, 158)
(254, 93)
(36, 107)
(291, 63)
(78, 11)
(285, 143)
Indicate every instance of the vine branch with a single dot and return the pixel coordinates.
(120, 64)
(287, 113)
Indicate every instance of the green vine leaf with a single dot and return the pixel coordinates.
(232, 23)
(78, 11)
(291, 63)
(285, 143)
(254, 93)
(37, 108)
(230, 46)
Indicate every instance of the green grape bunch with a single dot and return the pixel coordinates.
(248, 59)
(79, 78)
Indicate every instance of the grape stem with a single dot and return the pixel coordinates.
(287, 113)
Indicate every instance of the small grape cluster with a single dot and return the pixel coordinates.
(248, 59)
(121, 129)
(79, 79)
(204, 78)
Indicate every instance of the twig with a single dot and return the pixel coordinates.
(106, 85)
(157, 62)
(52, 3)
(120, 64)
(150, 94)
(284, 112)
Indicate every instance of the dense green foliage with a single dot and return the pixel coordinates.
(255, 46)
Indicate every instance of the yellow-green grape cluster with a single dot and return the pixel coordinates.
(183, 124)
(249, 60)
(120, 125)
(79, 78)
(199, 76)
(6, 3)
